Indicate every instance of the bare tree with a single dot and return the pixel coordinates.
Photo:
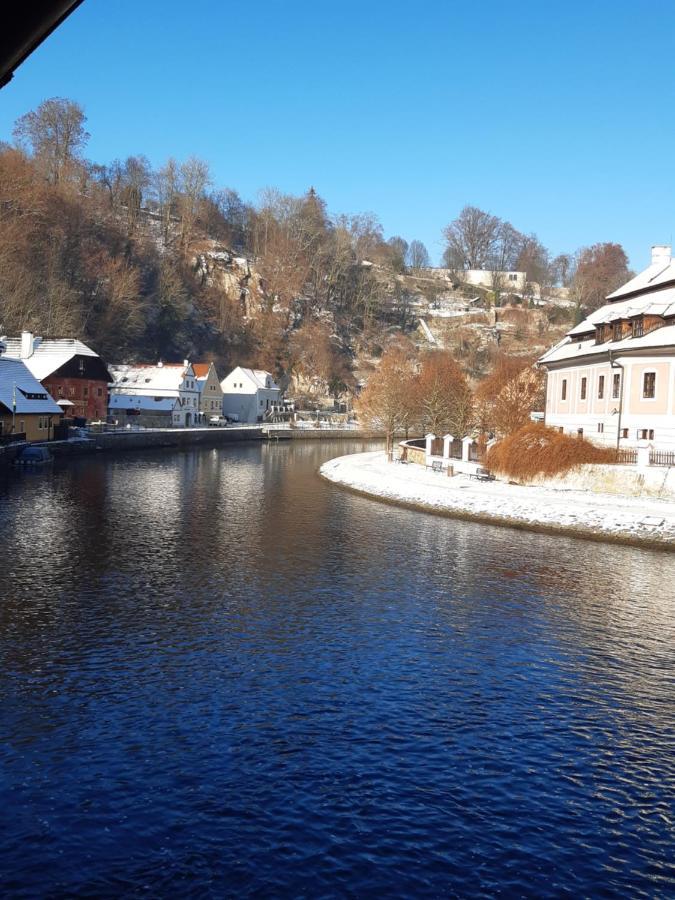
(601, 269)
(166, 191)
(195, 177)
(471, 239)
(55, 135)
(417, 256)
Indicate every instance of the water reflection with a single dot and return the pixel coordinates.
(219, 670)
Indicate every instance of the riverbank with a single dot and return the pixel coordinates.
(605, 517)
(181, 438)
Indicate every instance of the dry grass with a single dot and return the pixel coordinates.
(535, 450)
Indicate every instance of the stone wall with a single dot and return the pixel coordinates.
(631, 481)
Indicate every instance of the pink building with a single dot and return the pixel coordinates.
(612, 378)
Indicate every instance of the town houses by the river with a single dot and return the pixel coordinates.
(612, 378)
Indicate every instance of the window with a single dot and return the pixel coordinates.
(646, 434)
(616, 331)
(71, 391)
(513, 276)
(616, 385)
(601, 387)
(649, 385)
(580, 432)
(601, 428)
(60, 390)
(564, 389)
(624, 432)
(638, 327)
(86, 392)
(599, 334)
(100, 392)
(584, 382)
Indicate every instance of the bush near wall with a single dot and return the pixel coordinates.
(536, 450)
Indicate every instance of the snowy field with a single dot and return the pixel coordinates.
(589, 514)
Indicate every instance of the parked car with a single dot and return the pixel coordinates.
(33, 456)
(218, 421)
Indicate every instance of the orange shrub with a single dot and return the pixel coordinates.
(536, 450)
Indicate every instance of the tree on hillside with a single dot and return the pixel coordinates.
(383, 404)
(444, 396)
(195, 177)
(55, 135)
(600, 270)
(471, 239)
(417, 256)
(505, 399)
(533, 259)
(399, 247)
(563, 269)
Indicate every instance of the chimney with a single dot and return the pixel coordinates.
(661, 254)
(27, 344)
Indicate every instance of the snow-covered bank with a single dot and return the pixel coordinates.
(600, 516)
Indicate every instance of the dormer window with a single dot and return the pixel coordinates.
(599, 334)
(616, 331)
(638, 327)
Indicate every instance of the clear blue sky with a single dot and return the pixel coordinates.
(556, 116)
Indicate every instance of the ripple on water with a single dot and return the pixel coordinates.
(224, 675)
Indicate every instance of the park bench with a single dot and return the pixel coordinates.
(482, 474)
(436, 466)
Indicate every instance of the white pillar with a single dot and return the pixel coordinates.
(466, 443)
(447, 440)
(429, 438)
(643, 449)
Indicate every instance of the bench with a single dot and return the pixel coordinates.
(436, 466)
(401, 459)
(482, 474)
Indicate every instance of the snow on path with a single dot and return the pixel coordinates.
(600, 515)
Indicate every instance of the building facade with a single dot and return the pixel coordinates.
(67, 369)
(150, 390)
(210, 391)
(25, 406)
(612, 378)
(249, 394)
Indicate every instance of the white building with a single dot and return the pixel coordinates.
(503, 281)
(151, 389)
(612, 378)
(249, 394)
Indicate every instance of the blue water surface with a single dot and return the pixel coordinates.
(224, 676)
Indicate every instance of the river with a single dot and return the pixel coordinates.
(222, 675)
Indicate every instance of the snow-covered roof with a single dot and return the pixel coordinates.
(16, 380)
(659, 272)
(143, 402)
(654, 303)
(570, 349)
(153, 379)
(260, 378)
(48, 354)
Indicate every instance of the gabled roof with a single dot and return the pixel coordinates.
(261, 379)
(149, 379)
(49, 354)
(201, 370)
(16, 381)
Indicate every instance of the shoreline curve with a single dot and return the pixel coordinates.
(363, 475)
